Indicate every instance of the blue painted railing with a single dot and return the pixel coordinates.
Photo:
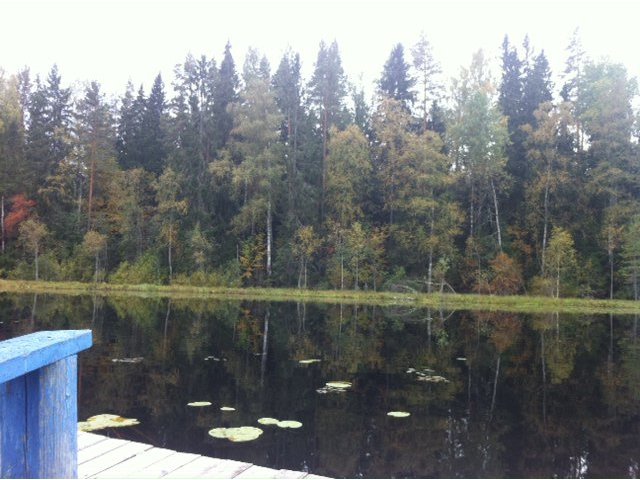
(39, 405)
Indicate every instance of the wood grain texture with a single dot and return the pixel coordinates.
(52, 420)
(112, 458)
(19, 356)
(14, 429)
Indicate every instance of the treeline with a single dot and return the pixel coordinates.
(261, 177)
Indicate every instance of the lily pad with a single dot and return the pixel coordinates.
(199, 404)
(338, 384)
(236, 434)
(268, 421)
(106, 420)
(398, 414)
(289, 424)
(227, 409)
(307, 361)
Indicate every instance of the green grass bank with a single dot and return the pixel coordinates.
(445, 301)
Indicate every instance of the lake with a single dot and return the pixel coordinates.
(489, 394)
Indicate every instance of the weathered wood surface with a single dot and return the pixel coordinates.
(38, 404)
(103, 457)
(21, 355)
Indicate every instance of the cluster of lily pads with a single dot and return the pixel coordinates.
(248, 433)
(427, 375)
(106, 420)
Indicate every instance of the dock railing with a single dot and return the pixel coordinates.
(39, 405)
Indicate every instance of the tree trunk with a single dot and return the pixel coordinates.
(169, 253)
(300, 272)
(90, 199)
(36, 261)
(635, 280)
(324, 160)
(357, 276)
(2, 221)
(546, 224)
(96, 274)
(430, 267)
(471, 222)
(341, 271)
(269, 236)
(495, 206)
(610, 254)
(305, 273)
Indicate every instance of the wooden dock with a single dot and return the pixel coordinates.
(104, 457)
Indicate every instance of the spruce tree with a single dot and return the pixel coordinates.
(395, 81)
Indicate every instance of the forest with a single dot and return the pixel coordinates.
(526, 183)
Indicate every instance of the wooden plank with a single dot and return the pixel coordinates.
(99, 449)
(12, 440)
(165, 466)
(136, 463)
(256, 471)
(284, 473)
(195, 469)
(52, 419)
(21, 355)
(113, 457)
(86, 439)
(226, 469)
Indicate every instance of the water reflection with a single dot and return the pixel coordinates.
(525, 395)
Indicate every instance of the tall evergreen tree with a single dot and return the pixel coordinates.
(327, 90)
(194, 130)
(225, 92)
(96, 140)
(428, 71)
(287, 90)
(396, 81)
(48, 139)
(153, 129)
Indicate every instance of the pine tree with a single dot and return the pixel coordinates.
(428, 70)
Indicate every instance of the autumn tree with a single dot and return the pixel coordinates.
(13, 171)
(561, 258)
(32, 233)
(258, 153)
(305, 245)
(171, 208)
(94, 244)
(477, 137)
(348, 167)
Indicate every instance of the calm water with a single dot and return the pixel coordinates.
(524, 396)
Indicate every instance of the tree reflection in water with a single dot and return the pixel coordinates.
(525, 395)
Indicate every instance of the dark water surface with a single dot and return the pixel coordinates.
(525, 395)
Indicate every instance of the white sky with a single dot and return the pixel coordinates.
(113, 41)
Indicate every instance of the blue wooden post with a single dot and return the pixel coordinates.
(39, 405)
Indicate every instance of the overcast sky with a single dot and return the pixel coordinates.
(113, 41)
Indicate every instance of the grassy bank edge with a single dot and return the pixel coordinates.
(444, 301)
